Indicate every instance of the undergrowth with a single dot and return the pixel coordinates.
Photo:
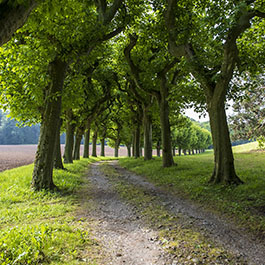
(244, 204)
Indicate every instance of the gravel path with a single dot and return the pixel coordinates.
(123, 235)
(127, 240)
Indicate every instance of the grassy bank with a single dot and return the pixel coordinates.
(244, 204)
(41, 227)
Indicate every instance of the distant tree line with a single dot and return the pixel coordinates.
(11, 133)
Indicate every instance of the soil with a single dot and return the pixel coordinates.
(125, 237)
(12, 156)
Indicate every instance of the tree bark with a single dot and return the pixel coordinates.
(58, 163)
(102, 144)
(179, 151)
(94, 144)
(174, 151)
(13, 17)
(137, 136)
(86, 141)
(224, 170)
(69, 143)
(43, 166)
(117, 146)
(78, 139)
(158, 149)
(147, 124)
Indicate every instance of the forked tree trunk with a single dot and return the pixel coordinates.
(147, 124)
(102, 145)
(69, 142)
(94, 144)
(43, 166)
(165, 130)
(58, 163)
(78, 139)
(224, 169)
(86, 141)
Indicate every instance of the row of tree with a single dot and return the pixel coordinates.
(82, 65)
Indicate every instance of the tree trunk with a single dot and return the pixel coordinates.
(102, 144)
(78, 139)
(165, 125)
(69, 142)
(193, 152)
(94, 144)
(158, 148)
(117, 143)
(137, 135)
(147, 124)
(58, 163)
(43, 166)
(179, 150)
(86, 141)
(224, 170)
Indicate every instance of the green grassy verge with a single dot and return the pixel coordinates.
(177, 235)
(244, 204)
(41, 227)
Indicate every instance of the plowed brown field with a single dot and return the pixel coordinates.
(18, 155)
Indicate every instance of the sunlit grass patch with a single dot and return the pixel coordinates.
(40, 227)
(245, 204)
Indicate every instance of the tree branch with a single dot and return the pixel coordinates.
(12, 18)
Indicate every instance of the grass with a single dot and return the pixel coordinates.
(244, 204)
(243, 148)
(176, 234)
(41, 227)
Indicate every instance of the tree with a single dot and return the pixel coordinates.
(248, 118)
(209, 45)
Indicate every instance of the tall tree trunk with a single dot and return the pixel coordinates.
(117, 146)
(58, 163)
(147, 124)
(165, 130)
(179, 151)
(78, 139)
(158, 148)
(43, 166)
(224, 170)
(86, 140)
(94, 144)
(137, 136)
(69, 142)
(102, 145)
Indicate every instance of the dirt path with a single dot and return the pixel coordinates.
(128, 240)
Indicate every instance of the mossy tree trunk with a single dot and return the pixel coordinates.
(43, 166)
(69, 142)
